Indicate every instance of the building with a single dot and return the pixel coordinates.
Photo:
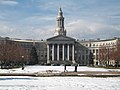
(59, 49)
(96, 45)
(40, 45)
(62, 49)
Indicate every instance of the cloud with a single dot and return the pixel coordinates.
(37, 33)
(82, 29)
(6, 29)
(25, 32)
(114, 16)
(38, 18)
(44, 33)
(8, 2)
(46, 5)
(2, 17)
(78, 29)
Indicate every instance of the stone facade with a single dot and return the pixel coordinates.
(40, 45)
(95, 45)
(60, 48)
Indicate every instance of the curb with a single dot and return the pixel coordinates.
(59, 75)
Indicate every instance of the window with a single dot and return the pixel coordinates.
(93, 50)
(41, 55)
(86, 51)
(45, 55)
(93, 56)
(86, 57)
(90, 50)
(90, 45)
(96, 57)
(96, 50)
(83, 57)
(83, 51)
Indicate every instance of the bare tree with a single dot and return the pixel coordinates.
(104, 55)
(11, 54)
(115, 55)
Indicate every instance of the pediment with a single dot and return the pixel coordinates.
(60, 38)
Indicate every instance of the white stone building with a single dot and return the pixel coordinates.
(95, 45)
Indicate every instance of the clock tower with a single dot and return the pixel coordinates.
(60, 24)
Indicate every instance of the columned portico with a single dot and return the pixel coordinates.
(57, 55)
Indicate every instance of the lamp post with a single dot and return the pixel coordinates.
(22, 62)
(76, 68)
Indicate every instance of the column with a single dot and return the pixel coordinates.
(53, 52)
(99, 56)
(95, 54)
(58, 52)
(73, 53)
(95, 57)
(48, 55)
(63, 55)
(68, 52)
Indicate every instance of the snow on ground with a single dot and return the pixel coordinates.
(57, 69)
(58, 83)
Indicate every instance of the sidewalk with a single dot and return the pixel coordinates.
(79, 74)
(92, 74)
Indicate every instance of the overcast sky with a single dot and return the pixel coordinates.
(36, 19)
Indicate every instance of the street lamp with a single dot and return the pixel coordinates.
(22, 62)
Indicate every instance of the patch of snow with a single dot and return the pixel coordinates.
(81, 74)
(58, 83)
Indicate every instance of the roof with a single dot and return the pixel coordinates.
(100, 40)
(61, 38)
(20, 40)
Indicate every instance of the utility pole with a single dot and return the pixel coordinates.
(22, 62)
